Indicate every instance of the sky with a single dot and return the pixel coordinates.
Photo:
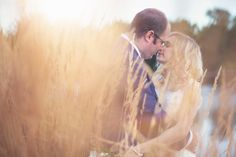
(105, 11)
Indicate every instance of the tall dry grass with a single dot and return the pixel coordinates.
(57, 84)
(52, 83)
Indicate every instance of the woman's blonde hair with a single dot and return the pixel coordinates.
(186, 59)
(184, 71)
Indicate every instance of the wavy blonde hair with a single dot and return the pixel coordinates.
(186, 60)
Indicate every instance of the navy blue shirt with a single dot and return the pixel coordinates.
(141, 79)
(135, 90)
(142, 89)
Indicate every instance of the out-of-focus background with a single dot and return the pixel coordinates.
(212, 23)
(55, 70)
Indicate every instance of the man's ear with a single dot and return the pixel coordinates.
(149, 36)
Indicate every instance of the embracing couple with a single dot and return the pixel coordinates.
(159, 107)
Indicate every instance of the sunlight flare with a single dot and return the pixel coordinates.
(80, 11)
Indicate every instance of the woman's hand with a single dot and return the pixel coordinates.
(131, 153)
(159, 151)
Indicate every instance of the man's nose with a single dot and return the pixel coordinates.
(162, 46)
(161, 49)
(158, 51)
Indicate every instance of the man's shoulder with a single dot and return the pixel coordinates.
(121, 42)
(121, 46)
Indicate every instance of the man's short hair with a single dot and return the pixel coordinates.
(149, 19)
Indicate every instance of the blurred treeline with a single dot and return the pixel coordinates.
(217, 41)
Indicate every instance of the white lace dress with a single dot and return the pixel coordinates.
(171, 102)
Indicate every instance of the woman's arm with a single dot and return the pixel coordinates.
(171, 136)
(163, 142)
(178, 132)
(194, 143)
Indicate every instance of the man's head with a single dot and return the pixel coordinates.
(151, 29)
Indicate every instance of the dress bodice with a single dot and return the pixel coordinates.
(171, 101)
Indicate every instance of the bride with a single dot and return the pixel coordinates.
(178, 85)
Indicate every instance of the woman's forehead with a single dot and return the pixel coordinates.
(170, 39)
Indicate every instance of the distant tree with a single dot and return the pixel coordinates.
(185, 26)
(213, 40)
(234, 22)
(231, 40)
(219, 17)
(229, 59)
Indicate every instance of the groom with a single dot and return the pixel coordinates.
(149, 30)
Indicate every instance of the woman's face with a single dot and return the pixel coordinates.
(164, 55)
